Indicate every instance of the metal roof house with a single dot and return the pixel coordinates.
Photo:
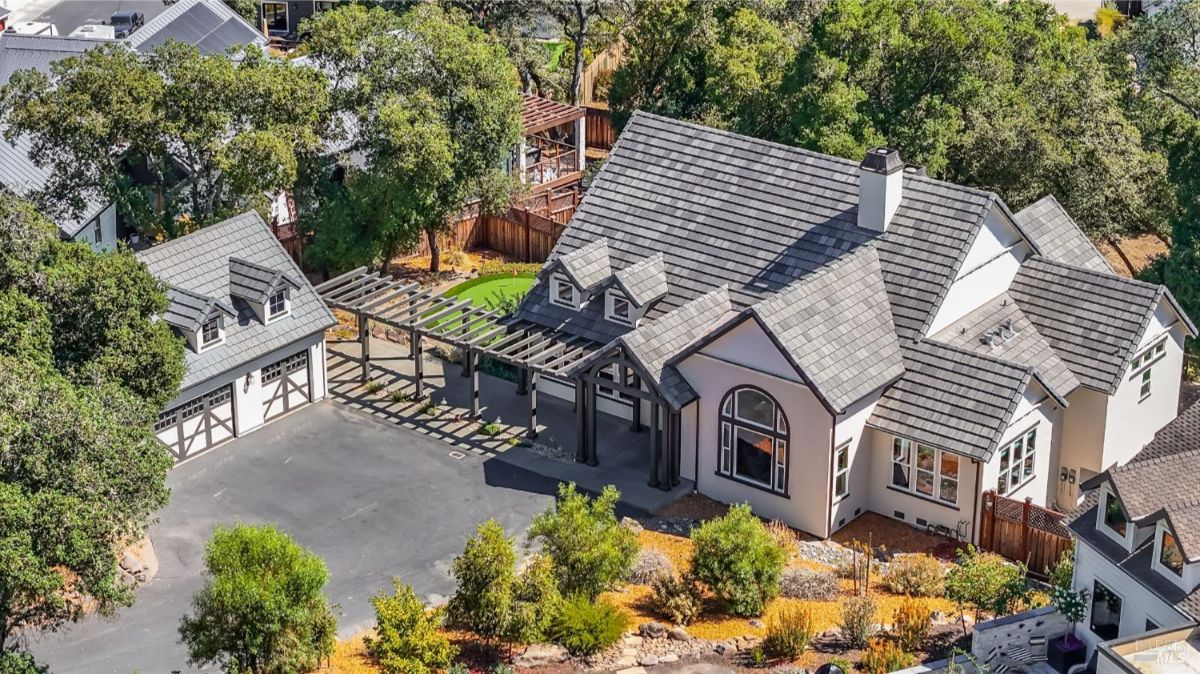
(209, 25)
(822, 337)
(254, 328)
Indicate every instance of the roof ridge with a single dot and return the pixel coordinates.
(1107, 275)
(231, 220)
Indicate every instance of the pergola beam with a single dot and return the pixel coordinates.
(338, 280)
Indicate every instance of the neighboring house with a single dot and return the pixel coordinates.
(255, 332)
(282, 19)
(821, 337)
(97, 225)
(5, 16)
(550, 156)
(1138, 546)
(209, 25)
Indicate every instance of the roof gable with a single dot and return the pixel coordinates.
(1059, 237)
(587, 266)
(188, 311)
(644, 281)
(255, 282)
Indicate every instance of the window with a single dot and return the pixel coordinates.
(1148, 356)
(1017, 462)
(841, 471)
(275, 16)
(925, 471)
(563, 292)
(322, 5)
(1145, 390)
(754, 437)
(1106, 612)
(97, 231)
(277, 304)
(609, 372)
(1151, 625)
(617, 308)
(210, 333)
(1114, 515)
(1169, 554)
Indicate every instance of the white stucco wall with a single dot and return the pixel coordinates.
(739, 357)
(108, 230)
(851, 428)
(1035, 410)
(1082, 440)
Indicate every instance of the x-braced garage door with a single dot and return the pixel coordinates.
(197, 424)
(285, 385)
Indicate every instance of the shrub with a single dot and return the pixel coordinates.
(263, 605)
(882, 657)
(737, 559)
(807, 584)
(590, 550)
(677, 599)
(843, 664)
(1063, 573)
(585, 627)
(503, 668)
(459, 668)
(407, 640)
(911, 624)
(490, 267)
(789, 631)
(986, 581)
(535, 602)
(399, 396)
(858, 620)
(784, 537)
(16, 662)
(917, 575)
(650, 565)
(491, 428)
(374, 386)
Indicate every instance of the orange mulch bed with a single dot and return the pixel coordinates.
(1140, 251)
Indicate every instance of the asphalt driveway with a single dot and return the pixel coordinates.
(373, 499)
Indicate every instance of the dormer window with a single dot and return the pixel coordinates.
(563, 293)
(617, 308)
(1114, 517)
(211, 333)
(1169, 554)
(278, 305)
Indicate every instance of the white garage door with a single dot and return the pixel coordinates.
(285, 385)
(198, 424)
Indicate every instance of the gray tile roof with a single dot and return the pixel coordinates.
(209, 25)
(643, 281)
(836, 326)
(1058, 237)
(588, 265)
(187, 310)
(255, 282)
(18, 172)
(1093, 320)
(952, 399)
(199, 263)
(1024, 345)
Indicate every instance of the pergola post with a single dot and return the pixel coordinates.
(473, 368)
(533, 379)
(418, 365)
(636, 424)
(581, 454)
(589, 436)
(674, 426)
(364, 341)
(655, 442)
(466, 363)
(522, 381)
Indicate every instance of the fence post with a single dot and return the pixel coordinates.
(528, 236)
(1026, 508)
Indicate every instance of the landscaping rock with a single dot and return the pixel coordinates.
(629, 652)
(632, 670)
(756, 623)
(633, 641)
(668, 659)
(726, 648)
(541, 654)
(627, 661)
(653, 630)
(632, 525)
(130, 563)
(648, 660)
(679, 634)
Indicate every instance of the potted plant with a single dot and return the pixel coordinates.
(1064, 651)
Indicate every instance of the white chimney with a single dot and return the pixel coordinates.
(880, 185)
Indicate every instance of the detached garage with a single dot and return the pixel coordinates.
(254, 327)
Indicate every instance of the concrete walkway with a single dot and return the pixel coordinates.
(624, 455)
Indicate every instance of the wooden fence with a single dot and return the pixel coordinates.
(1023, 532)
(605, 63)
(599, 130)
(522, 233)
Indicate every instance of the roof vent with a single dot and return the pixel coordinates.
(880, 184)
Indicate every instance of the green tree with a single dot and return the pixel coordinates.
(211, 135)
(436, 113)
(736, 557)
(262, 609)
(407, 640)
(985, 581)
(590, 549)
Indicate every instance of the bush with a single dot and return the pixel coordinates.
(490, 267)
(263, 605)
(585, 627)
(407, 640)
(917, 575)
(1063, 573)
(882, 657)
(535, 602)
(789, 631)
(986, 581)
(807, 584)
(677, 599)
(650, 565)
(858, 620)
(590, 549)
(737, 559)
(911, 624)
(16, 662)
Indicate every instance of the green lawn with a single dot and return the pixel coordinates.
(486, 290)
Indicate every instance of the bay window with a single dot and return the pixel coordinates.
(925, 471)
(753, 439)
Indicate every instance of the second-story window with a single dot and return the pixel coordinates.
(277, 305)
(617, 308)
(210, 333)
(1017, 463)
(563, 293)
(1114, 515)
(1169, 554)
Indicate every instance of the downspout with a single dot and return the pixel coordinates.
(696, 448)
(829, 471)
(975, 506)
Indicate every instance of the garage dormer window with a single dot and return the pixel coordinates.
(563, 293)
(617, 308)
(211, 333)
(278, 305)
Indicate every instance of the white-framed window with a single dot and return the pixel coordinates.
(211, 333)
(754, 439)
(1112, 516)
(1018, 463)
(563, 293)
(277, 305)
(617, 308)
(925, 471)
(1140, 366)
(841, 471)
(1144, 391)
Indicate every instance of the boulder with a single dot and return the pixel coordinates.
(653, 630)
(632, 525)
(668, 659)
(634, 641)
(541, 654)
(130, 563)
(626, 661)
(726, 648)
(631, 670)
(679, 634)
(648, 660)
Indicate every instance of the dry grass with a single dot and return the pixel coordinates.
(350, 657)
(1140, 251)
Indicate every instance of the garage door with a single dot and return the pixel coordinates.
(197, 424)
(285, 385)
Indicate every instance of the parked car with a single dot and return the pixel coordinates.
(126, 22)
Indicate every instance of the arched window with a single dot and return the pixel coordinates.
(754, 439)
